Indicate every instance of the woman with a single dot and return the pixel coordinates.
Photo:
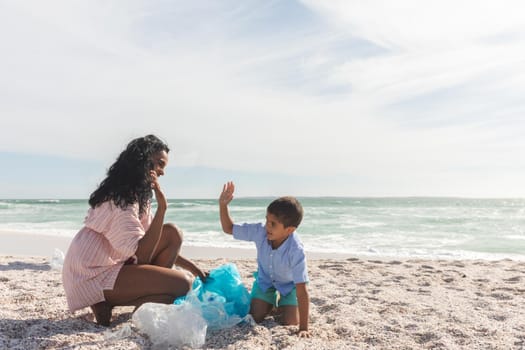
(124, 254)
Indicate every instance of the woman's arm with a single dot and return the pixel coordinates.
(190, 266)
(148, 243)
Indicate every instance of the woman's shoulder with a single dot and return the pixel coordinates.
(107, 214)
(109, 208)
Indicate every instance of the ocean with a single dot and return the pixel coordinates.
(435, 228)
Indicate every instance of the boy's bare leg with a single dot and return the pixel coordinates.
(259, 309)
(288, 315)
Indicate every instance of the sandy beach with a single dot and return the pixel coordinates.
(356, 303)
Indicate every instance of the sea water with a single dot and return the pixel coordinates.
(455, 228)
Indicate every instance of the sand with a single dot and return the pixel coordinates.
(356, 303)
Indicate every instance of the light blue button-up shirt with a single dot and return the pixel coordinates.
(281, 268)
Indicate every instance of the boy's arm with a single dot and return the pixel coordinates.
(225, 199)
(303, 299)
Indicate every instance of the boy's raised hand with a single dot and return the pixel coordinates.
(227, 193)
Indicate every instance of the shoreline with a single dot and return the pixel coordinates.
(33, 245)
(19, 243)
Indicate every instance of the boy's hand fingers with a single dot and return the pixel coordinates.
(227, 192)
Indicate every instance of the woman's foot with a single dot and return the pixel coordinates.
(102, 312)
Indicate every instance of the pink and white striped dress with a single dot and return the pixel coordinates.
(108, 239)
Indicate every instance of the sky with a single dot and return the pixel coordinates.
(305, 98)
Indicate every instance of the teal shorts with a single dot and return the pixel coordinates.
(273, 297)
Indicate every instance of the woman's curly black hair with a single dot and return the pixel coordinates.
(128, 180)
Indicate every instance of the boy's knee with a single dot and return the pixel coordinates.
(258, 317)
(259, 310)
(290, 316)
(292, 321)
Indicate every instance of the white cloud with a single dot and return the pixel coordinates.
(452, 72)
(356, 88)
(409, 24)
(431, 45)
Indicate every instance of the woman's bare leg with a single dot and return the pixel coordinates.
(141, 281)
(168, 247)
(157, 287)
(102, 312)
(138, 284)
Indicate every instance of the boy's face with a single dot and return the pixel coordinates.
(275, 230)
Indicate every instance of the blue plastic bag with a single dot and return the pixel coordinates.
(223, 299)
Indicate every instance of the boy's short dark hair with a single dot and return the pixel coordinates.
(288, 211)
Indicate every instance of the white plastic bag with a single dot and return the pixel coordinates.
(176, 325)
(122, 333)
(57, 260)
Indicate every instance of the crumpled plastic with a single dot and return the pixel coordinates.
(177, 325)
(57, 260)
(223, 299)
(122, 333)
(221, 302)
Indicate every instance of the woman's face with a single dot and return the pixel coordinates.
(160, 160)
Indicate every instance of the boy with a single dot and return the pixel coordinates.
(280, 258)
